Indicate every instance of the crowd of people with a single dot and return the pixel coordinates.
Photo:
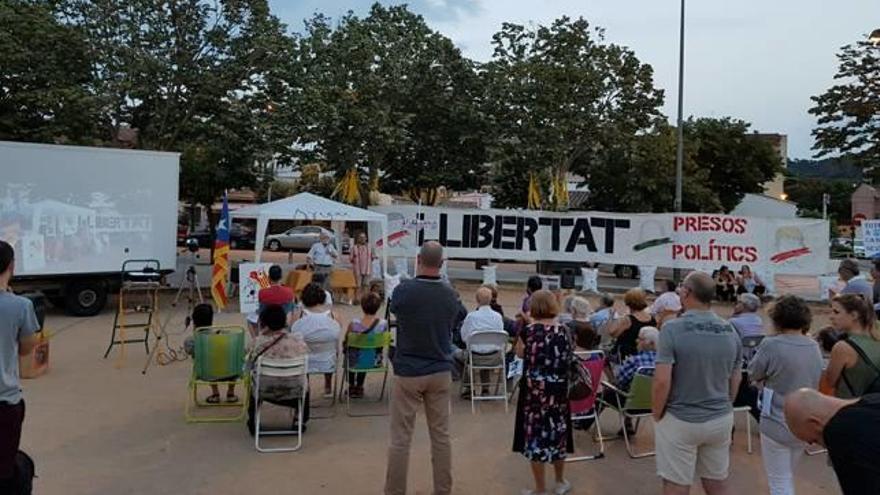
(811, 387)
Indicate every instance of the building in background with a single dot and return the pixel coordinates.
(775, 188)
(865, 202)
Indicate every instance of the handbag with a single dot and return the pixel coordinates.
(580, 381)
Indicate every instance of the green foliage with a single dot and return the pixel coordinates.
(737, 163)
(313, 180)
(848, 113)
(45, 74)
(194, 76)
(386, 93)
(558, 98)
(807, 194)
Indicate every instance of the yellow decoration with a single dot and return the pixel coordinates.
(348, 190)
(534, 193)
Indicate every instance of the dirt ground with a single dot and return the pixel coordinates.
(95, 427)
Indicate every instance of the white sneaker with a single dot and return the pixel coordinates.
(528, 491)
(562, 488)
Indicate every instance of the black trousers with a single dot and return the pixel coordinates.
(11, 419)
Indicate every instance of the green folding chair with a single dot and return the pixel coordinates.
(370, 346)
(637, 405)
(218, 359)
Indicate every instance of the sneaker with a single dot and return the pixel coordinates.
(528, 491)
(328, 394)
(562, 488)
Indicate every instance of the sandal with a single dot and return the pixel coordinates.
(213, 399)
(230, 398)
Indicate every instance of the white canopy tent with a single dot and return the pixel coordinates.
(307, 206)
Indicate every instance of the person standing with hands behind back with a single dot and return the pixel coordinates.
(322, 255)
(699, 369)
(426, 309)
(18, 323)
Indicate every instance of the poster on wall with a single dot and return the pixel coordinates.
(871, 237)
(695, 241)
(251, 278)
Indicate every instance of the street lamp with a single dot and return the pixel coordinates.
(874, 37)
(679, 154)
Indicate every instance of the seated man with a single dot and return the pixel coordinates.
(745, 319)
(484, 318)
(842, 427)
(275, 342)
(276, 293)
(604, 314)
(646, 357)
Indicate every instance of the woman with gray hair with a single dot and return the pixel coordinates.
(579, 325)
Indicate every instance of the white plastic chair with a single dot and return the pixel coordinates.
(488, 338)
(290, 369)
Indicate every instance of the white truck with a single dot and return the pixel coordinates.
(75, 214)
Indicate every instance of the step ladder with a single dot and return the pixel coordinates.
(138, 305)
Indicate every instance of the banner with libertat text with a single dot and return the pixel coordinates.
(694, 241)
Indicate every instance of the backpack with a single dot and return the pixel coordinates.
(23, 475)
(874, 386)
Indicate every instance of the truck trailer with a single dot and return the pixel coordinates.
(74, 214)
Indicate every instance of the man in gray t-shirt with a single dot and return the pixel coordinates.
(17, 326)
(699, 368)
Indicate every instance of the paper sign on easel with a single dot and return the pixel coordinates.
(252, 277)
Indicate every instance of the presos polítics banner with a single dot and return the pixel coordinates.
(696, 241)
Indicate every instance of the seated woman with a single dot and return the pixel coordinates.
(626, 330)
(320, 332)
(725, 284)
(748, 281)
(586, 338)
(369, 323)
(274, 342)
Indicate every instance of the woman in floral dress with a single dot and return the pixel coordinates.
(543, 432)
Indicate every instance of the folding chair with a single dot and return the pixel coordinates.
(322, 347)
(293, 370)
(747, 412)
(369, 347)
(636, 406)
(496, 339)
(586, 409)
(218, 359)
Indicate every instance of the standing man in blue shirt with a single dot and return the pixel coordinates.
(427, 310)
(18, 323)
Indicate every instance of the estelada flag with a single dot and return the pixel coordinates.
(221, 258)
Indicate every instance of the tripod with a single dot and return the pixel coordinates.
(190, 286)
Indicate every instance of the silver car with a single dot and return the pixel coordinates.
(301, 238)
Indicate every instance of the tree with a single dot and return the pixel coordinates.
(848, 113)
(390, 98)
(736, 161)
(45, 74)
(558, 99)
(807, 194)
(194, 76)
(639, 176)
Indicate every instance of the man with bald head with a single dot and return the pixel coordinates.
(847, 428)
(699, 369)
(482, 319)
(426, 309)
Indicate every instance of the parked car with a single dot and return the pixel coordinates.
(239, 237)
(300, 237)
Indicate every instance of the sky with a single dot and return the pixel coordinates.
(755, 60)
